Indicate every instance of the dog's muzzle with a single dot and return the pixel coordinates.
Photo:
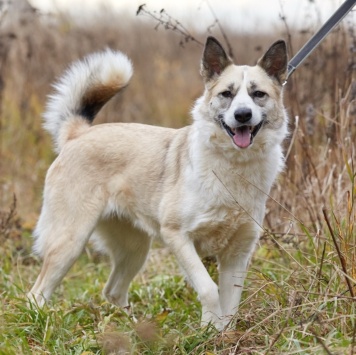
(243, 135)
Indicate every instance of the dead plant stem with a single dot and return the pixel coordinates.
(341, 257)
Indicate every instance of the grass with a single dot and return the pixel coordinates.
(298, 295)
(165, 313)
(296, 302)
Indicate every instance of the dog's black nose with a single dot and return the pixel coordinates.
(243, 115)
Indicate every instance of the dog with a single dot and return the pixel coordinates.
(202, 188)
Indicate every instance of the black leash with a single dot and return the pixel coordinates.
(305, 51)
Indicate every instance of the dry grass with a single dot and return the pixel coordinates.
(299, 291)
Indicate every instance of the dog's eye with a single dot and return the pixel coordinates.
(259, 94)
(227, 94)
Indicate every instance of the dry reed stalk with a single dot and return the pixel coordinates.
(340, 255)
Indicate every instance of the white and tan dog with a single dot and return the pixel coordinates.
(201, 188)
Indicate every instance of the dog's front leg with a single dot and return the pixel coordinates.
(233, 266)
(188, 259)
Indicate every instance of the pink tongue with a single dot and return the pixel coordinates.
(242, 137)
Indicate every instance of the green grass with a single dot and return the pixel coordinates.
(296, 301)
(164, 317)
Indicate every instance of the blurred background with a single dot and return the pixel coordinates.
(38, 39)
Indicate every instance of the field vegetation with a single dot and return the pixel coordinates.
(300, 291)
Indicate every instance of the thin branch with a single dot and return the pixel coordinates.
(222, 31)
(233, 197)
(295, 131)
(168, 23)
(341, 257)
(283, 17)
(321, 342)
(319, 274)
(353, 342)
(274, 200)
(284, 326)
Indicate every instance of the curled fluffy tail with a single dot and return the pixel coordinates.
(83, 90)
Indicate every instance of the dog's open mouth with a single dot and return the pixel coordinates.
(242, 136)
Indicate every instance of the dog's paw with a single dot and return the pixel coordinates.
(212, 319)
(35, 301)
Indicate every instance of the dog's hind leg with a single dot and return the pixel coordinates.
(57, 260)
(62, 232)
(128, 249)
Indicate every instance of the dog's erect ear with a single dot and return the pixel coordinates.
(275, 61)
(215, 59)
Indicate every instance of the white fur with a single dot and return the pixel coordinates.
(81, 75)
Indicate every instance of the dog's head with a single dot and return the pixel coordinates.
(245, 102)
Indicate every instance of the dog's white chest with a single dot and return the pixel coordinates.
(215, 232)
(224, 203)
(218, 219)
